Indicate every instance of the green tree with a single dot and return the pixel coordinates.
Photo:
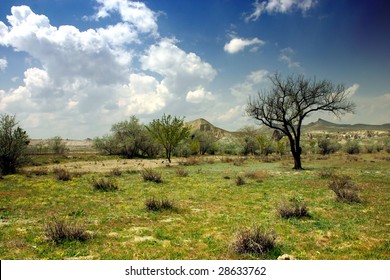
(168, 131)
(57, 145)
(291, 100)
(13, 145)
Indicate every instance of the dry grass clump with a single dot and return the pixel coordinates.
(326, 173)
(149, 174)
(104, 185)
(115, 172)
(345, 189)
(181, 172)
(62, 174)
(294, 208)
(153, 204)
(257, 175)
(255, 240)
(240, 181)
(60, 230)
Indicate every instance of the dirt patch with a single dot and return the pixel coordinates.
(109, 165)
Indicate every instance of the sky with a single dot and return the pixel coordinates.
(73, 68)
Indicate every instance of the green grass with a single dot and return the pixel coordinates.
(210, 210)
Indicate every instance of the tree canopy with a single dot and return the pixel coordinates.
(289, 101)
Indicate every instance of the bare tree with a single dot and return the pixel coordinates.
(290, 100)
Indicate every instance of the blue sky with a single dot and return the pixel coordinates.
(73, 68)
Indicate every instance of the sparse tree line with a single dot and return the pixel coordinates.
(282, 108)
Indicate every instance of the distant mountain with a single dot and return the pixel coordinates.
(323, 125)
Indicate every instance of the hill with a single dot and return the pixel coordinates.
(323, 125)
(206, 126)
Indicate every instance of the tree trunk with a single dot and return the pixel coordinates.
(297, 160)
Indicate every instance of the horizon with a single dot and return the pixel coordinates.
(73, 69)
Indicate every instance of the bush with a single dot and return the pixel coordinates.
(153, 204)
(240, 181)
(345, 189)
(181, 172)
(62, 174)
(116, 172)
(327, 146)
(254, 241)
(60, 230)
(13, 145)
(294, 208)
(352, 147)
(151, 175)
(105, 185)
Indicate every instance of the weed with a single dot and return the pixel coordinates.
(116, 172)
(294, 208)
(61, 230)
(152, 175)
(257, 175)
(240, 181)
(345, 189)
(326, 173)
(62, 174)
(153, 204)
(255, 240)
(104, 185)
(181, 172)
(190, 161)
(40, 172)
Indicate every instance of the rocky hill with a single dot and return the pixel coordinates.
(323, 125)
(204, 125)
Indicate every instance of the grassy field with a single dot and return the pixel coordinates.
(209, 208)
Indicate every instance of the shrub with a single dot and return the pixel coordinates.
(181, 172)
(257, 175)
(116, 172)
(326, 173)
(254, 241)
(190, 161)
(62, 174)
(352, 147)
(327, 146)
(151, 175)
(153, 204)
(294, 208)
(40, 172)
(240, 181)
(60, 230)
(104, 185)
(345, 189)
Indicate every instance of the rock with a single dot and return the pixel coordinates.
(286, 257)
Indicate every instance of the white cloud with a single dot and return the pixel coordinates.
(239, 44)
(286, 57)
(143, 95)
(279, 6)
(352, 90)
(248, 87)
(181, 71)
(199, 95)
(133, 12)
(232, 113)
(3, 64)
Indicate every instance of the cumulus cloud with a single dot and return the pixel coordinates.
(248, 87)
(239, 44)
(278, 6)
(181, 71)
(199, 95)
(3, 64)
(286, 57)
(133, 12)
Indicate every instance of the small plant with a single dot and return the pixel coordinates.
(151, 175)
(294, 208)
(345, 189)
(257, 175)
(62, 174)
(190, 161)
(255, 240)
(40, 172)
(181, 172)
(153, 204)
(116, 172)
(326, 173)
(240, 181)
(105, 185)
(60, 230)
(352, 147)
